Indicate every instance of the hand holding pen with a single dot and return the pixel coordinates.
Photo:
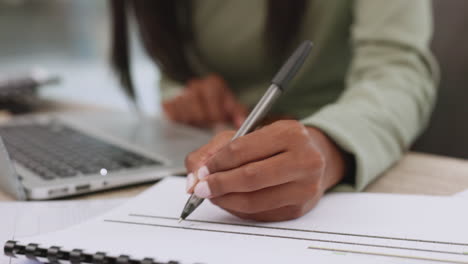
(275, 173)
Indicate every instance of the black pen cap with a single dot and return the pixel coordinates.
(292, 65)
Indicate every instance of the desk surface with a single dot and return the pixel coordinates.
(415, 173)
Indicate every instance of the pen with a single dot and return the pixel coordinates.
(278, 84)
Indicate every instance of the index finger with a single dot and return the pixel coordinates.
(277, 170)
(258, 145)
(194, 160)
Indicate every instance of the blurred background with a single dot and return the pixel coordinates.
(71, 38)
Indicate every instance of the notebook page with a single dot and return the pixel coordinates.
(462, 194)
(343, 228)
(24, 219)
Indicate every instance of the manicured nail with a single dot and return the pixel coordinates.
(202, 190)
(190, 182)
(202, 173)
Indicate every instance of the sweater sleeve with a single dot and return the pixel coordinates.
(390, 88)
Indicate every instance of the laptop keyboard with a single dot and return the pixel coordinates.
(56, 151)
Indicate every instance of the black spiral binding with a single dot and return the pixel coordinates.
(32, 251)
(54, 255)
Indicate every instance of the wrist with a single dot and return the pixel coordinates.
(335, 158)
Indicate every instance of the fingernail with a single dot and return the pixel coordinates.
(202, 190)
(190, 182)
(202, 173)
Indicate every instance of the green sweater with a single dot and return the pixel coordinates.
(369, 83)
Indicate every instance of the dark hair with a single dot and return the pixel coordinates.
(166, 29)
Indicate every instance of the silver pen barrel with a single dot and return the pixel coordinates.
(259, 111)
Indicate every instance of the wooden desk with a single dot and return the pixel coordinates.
(416, 173)
(419, 173)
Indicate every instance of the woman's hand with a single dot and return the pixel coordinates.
(206, 103)
(275, 173)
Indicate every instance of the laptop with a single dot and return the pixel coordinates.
(48, 156)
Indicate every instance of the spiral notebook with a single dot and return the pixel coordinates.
(343, 228)
(21, 219)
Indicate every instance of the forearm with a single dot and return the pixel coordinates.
(390, 89)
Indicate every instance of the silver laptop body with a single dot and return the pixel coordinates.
(157, 140)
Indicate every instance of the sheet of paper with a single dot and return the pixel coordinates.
(24, 219)
(343, 228)
(462, 194)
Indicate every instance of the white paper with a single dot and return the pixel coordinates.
(343, 228)
(25, 219)
(462, 194)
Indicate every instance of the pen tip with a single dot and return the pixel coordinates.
(180, 220)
